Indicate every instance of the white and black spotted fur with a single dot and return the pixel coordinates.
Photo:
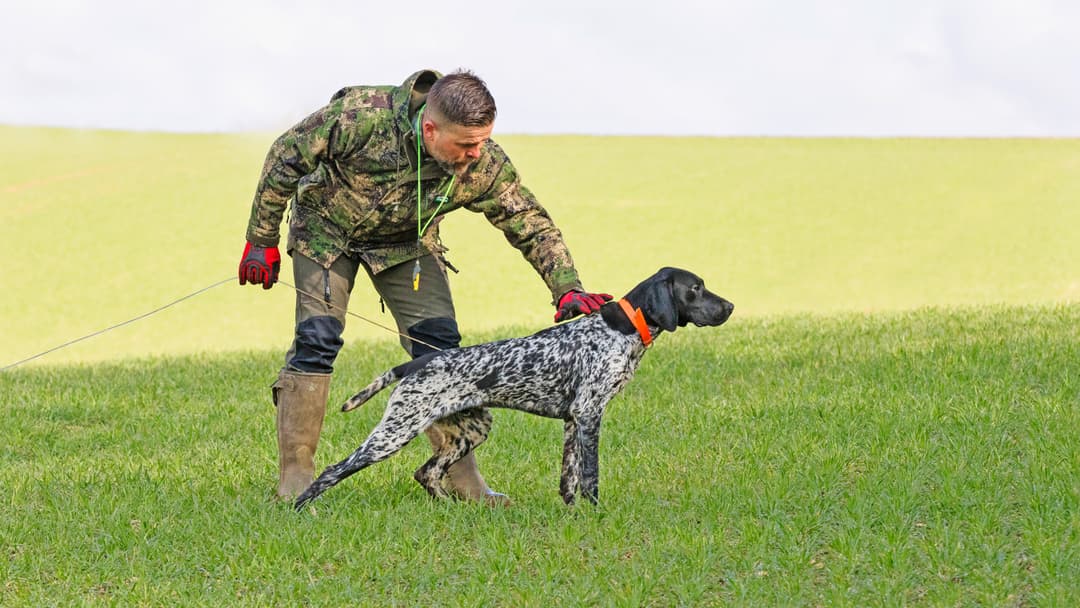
(568, 371)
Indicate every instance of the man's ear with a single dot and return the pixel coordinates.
(428, 127)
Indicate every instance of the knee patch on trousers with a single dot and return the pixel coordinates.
(441, 333)
(318, 341)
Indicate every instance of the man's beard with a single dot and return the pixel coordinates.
(452, 169)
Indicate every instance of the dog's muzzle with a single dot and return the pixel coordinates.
(720, 315)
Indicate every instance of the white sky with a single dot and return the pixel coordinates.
(712, 67)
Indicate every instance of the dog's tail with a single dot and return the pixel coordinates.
(369, 391)
(384, 381)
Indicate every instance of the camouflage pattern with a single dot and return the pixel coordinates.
(349, 170)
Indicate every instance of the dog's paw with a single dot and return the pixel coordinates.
(302, 501)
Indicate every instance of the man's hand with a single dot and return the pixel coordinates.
(260, 265)
(574, 303)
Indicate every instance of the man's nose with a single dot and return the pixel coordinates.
(473, 153)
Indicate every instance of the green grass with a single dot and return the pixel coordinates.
(918, 458)
(890, 418)
(101, 226)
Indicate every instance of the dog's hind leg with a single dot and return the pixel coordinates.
(333, 475)
(408, 413)
(397, 428)
(458, 434)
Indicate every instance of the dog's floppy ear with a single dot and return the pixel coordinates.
(660, 302)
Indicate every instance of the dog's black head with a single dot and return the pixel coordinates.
(673, 298)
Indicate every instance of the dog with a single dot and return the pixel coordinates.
(569, 371)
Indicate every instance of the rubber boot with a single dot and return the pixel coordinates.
(301, 405)
(463, 478)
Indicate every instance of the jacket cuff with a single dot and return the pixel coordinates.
(262, 240)
(563, 282)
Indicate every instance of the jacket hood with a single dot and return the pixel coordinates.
(406, 100)
(408, 97)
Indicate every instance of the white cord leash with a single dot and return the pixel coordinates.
(362, 318)
(187, 297)
(117, 326)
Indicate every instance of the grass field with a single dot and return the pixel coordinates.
(889, 418)
(102, 226)
(922, 458)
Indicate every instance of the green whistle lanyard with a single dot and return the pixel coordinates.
(441, 200)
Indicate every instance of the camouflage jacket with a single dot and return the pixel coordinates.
(350, 171)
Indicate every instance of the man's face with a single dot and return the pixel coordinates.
(454, 147)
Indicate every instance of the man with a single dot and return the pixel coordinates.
(369, 175)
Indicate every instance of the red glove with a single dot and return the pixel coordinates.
(574, 303)
(260, 265)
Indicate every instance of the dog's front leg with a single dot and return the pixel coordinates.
(588, 454)
(571, 474)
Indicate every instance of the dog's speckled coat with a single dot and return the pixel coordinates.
(569, 371)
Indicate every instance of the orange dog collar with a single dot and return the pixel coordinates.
(638, 319)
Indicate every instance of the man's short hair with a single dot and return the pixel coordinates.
(463, 99)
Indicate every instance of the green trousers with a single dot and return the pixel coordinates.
(425, 317)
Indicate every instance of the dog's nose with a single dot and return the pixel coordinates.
(726, 309)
